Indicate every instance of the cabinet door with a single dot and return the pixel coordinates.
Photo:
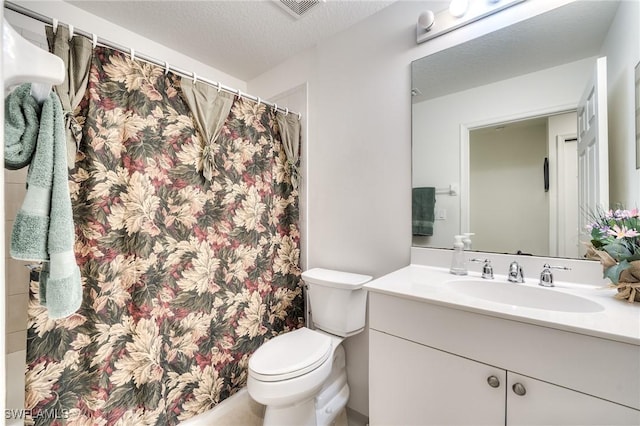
(412, 384)
(547, 404)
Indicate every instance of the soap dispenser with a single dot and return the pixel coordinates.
(467, 240)
(458, 263)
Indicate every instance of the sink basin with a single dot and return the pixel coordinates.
(523, 296)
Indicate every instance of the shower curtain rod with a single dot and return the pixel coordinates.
(53, 22)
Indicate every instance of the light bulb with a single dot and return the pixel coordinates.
(458, 8)
(426, 20)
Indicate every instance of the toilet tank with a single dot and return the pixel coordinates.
(338, 301)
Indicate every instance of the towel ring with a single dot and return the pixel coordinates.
(54, 23)
(195, 77)
(166, 68)
(133, 54)
(70, 32)
(95, 40)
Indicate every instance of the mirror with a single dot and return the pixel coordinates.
(530, 74)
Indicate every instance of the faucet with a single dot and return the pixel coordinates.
(546, 277)
(487, 269)
(516, 275)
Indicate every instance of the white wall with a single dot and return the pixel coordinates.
(622, 50)
(359, 146)
(436, 142)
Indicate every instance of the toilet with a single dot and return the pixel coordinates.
(301, 376)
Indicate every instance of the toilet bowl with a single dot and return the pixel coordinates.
(301, 376)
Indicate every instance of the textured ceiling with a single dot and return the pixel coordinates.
(240, 38)
(560, 36)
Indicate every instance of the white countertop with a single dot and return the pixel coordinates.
(619, 320)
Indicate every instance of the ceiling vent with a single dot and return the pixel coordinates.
(297, 8)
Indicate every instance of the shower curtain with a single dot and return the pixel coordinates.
(184, 277)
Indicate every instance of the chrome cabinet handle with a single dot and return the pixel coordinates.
(493, 381)
(519, 389)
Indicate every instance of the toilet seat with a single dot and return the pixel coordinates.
(290, 355)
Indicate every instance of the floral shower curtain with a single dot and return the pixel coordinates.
(183, 278)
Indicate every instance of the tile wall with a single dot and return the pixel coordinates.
(16, 272)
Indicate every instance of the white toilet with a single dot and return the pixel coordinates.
(301, 376)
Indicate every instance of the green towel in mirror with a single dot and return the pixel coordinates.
(423, 201)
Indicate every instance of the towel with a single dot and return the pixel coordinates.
(43, 230)
(423, 201)
(22, 117)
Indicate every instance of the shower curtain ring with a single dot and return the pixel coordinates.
(219, 86)
(238, 94)
(286, 112)
(95, 40)
(133, 54)
(166, 68)
(259, 101)
(299, 116)
(70, 32)
(275, 107)
(195, 77)
(54, 23)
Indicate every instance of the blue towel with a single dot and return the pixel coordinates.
(423, 201)
(43, 230)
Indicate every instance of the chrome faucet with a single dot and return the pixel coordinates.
(516, 275)
(546, 277)
(487, 269)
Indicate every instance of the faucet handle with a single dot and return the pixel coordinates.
(487, 269)
(516, 273)
(546, 277)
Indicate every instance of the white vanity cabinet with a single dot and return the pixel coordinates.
(436, 365)
(413, 384)
(547, 404)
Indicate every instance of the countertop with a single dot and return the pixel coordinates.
(619, 320)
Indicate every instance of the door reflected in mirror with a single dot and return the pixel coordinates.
(511, 191)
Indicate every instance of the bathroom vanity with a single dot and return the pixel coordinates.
(462, 350)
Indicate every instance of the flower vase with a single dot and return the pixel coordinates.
(629, 283)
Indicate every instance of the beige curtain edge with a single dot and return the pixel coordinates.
(210, 110)
(290, 131)
(76, 54)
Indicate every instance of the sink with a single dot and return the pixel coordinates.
(523, 296)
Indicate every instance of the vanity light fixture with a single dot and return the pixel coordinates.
(426, 20)
(459, 14)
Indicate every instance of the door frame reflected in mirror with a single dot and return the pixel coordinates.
(555, 246)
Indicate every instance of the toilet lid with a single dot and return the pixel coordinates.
(290, 355)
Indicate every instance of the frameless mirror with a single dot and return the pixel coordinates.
(494, 129)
